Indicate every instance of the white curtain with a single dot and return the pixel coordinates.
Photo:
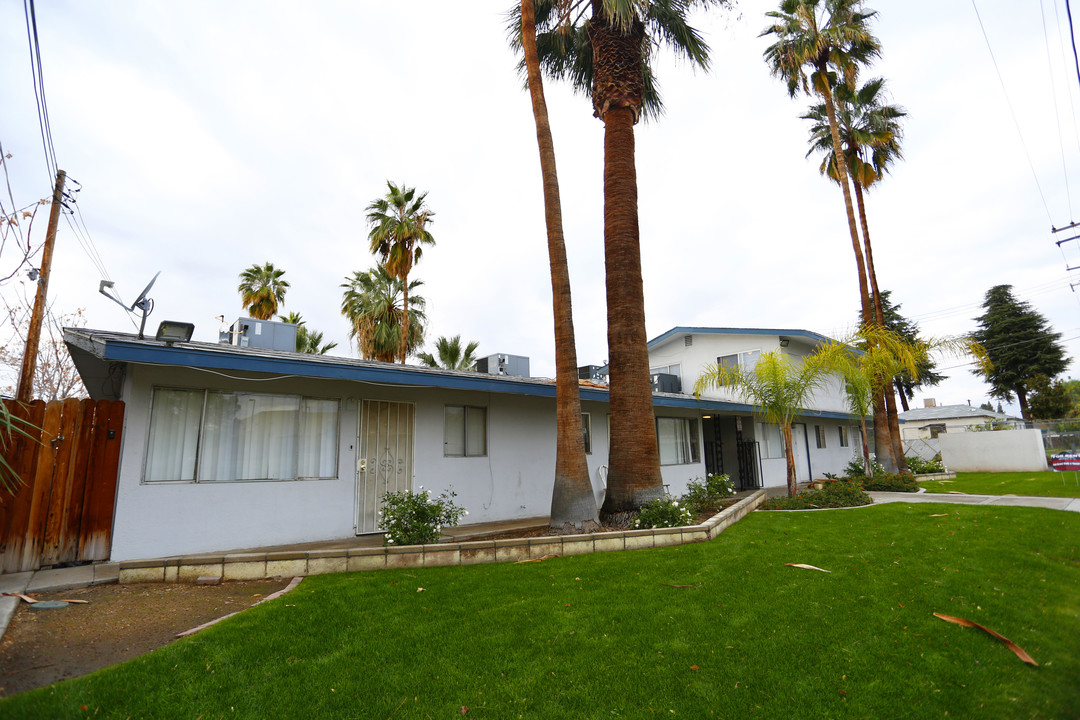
(174, 435)
(476, 431)
(318, 438)
(673, 438)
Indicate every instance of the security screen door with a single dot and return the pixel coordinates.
(385, 460)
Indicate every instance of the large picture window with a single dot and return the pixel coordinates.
(771, 439)
(206, 436)
(678, 440)
(464, 431)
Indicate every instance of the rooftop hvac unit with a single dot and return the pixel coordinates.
(262, 334)
(504, 364)
(666, 382)
(590, 372)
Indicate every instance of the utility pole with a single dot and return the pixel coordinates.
(33, 336)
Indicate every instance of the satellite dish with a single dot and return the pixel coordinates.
(141, 300)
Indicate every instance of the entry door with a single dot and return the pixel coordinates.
(801, 450)
(385, 460)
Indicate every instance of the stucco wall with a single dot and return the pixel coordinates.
(996, 451)
(514, 479)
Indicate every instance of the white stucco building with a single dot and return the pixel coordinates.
(228, 447)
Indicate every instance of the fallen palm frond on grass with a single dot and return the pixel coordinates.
(1020, 653)
(604, 636)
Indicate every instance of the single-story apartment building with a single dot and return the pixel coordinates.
(933, 420)
(228, 446)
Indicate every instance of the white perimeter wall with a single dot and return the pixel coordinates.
(993, 451)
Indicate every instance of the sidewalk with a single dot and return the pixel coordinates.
(1054, 503)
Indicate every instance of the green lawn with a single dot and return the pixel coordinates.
(722, 629)
(1041, 484)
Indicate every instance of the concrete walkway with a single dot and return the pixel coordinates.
(1054, 503)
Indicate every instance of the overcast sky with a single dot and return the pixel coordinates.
(208, 136)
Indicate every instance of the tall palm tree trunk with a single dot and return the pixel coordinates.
(882, 439)
(891, 417)
(634, 461)
(573, 504)
(903, 397)
(404, 316)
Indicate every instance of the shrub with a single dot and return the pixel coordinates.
(921, 467)
(892, 482)
(415, 518)
(856, 468)
(707, 492)
(663, 513)
(836, 494)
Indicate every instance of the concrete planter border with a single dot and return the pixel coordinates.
(255, 565)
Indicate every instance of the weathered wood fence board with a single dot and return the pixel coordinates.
(63, 510)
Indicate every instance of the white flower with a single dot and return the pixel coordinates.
(466, 512)
(421, 487)
(389, 541)
(675, 503)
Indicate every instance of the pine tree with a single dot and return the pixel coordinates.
(1020, 345)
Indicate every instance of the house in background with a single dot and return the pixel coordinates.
(933, 420)
(231, 445)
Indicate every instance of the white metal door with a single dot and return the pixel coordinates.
(385, 461)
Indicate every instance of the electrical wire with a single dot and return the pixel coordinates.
(39, 88)
(1008, 102)
(1057, 113)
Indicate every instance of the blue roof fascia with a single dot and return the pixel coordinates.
(735, 331)
(174, 356)
(121, 351)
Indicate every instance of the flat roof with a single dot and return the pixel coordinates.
(95, 350)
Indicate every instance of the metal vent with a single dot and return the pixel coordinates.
(688, 341)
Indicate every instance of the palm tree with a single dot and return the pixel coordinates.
(573, 504)
(373, 303)
(870, 135)
(821, 44)
(450, 355)
(608, 56)
(397, 232)
(778, 387)
(307, 341)
(262, 290)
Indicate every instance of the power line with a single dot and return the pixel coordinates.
(1057, 113)
(1013, 113)
(39, 88)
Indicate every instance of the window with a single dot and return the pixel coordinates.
(819, 435)
(205, 436)
(667, 369)
(936, 430)
(464, 431)
(844, 441)
(678, 440)
(747, 360)
(586, 427)
(772, 442)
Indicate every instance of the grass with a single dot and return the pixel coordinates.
(1040, 484)
(721, 629)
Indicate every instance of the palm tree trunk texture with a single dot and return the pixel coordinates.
(789, 456)
(404, 316)
(865, 448)
(634, 461)
(573, 504)
(882, 440)
(891, 417)
(903, 397)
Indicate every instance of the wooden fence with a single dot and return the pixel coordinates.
(62, 511)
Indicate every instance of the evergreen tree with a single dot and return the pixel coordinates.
(1020, 344)
(1049, 399)
(987, 406)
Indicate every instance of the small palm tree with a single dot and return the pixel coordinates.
(262, 290)
(398, 232)
(307, 341)
(778, 387)
(450, 355)
(373, 302)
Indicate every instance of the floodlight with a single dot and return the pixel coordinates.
(171, 331)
